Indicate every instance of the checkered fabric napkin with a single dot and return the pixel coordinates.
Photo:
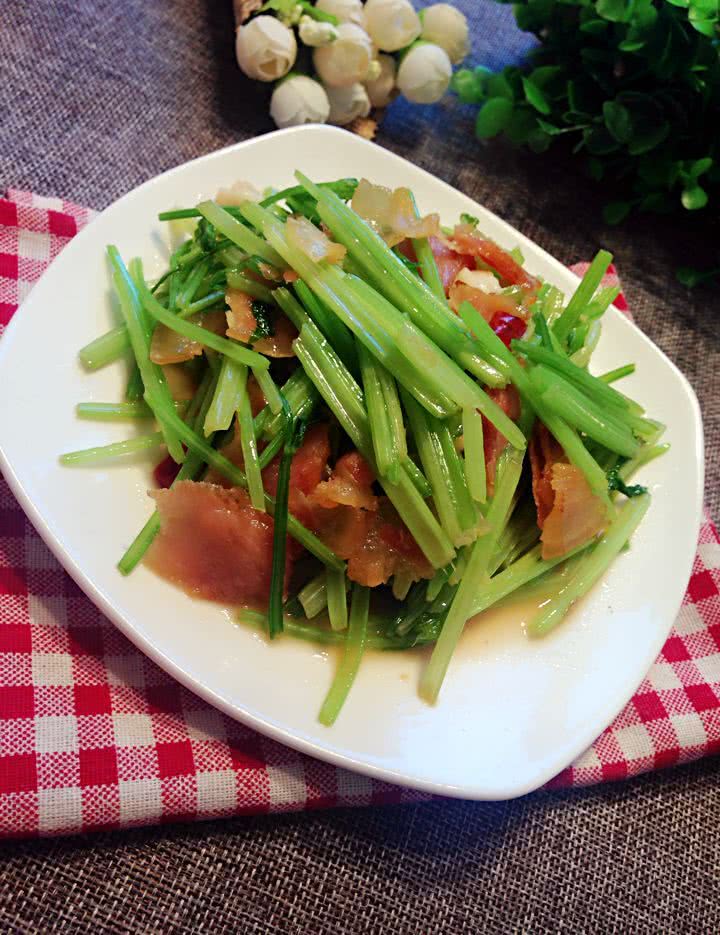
(93, 735)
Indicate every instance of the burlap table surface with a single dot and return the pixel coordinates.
(96, 97)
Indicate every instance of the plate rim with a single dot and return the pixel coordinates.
(265, 727)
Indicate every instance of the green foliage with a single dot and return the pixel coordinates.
(632, 85)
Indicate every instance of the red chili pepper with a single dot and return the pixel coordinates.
(507, 327)
(166, 472)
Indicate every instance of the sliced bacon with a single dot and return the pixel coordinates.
(544, 453)
(494, 441)
(568, 512)
(170, 347)
(577, 514)
(257, 398)
(309, 463)
(489, 304)
(213, 544)
(241, 325)
(512, 274)
(181, 382)
(349, 485)
(449, 262)
(375, 544)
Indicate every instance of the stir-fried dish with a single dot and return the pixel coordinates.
(376, 427)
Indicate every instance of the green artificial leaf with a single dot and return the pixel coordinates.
(594, 27)
(493, 118)
(467, 86)
(658, 172)
(546, 76)
(616, 211)
(595, 169)
(553, 130)
(659, 202)
(618, 121)
(535, 97)
(482, 73)
(708, 27)
(694, 277)
(646, 139)
(616, 11)
(522, 124)
(694, 198)
(700, 167)
(539, 141)
(631, 45)
(499, 86)
(599, 142)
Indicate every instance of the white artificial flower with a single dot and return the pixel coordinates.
(346, 60)
(346, 104)
(380, 90)
(299, 100)
(391, 24)
(316, 34)
(345, 11)
(447, 27)
(265, 48)
(424, 73)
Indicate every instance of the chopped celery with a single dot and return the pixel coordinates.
(228, 391)
(476, 575)
(229, 348)
(354, 648)
(593, 565)
(583, 295)
(114, 450)
(387, 455)
(157, 394)
(236, 232)
(336, 587)
(313, 596)
(474, 454)
(248, 444)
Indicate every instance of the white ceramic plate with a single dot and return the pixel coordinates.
(512, 712)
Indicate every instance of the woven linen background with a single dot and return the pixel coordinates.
(96, 97)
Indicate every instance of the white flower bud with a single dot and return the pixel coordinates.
(314, 33)
(380, 89)
(347, 59)
(374, 71)
(447, 27)
(346, 11)
(348, 103)
(391, 24)
(265, 48)
(424, 74)
(299, 100)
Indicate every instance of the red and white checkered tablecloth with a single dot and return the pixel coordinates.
(93, 735)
